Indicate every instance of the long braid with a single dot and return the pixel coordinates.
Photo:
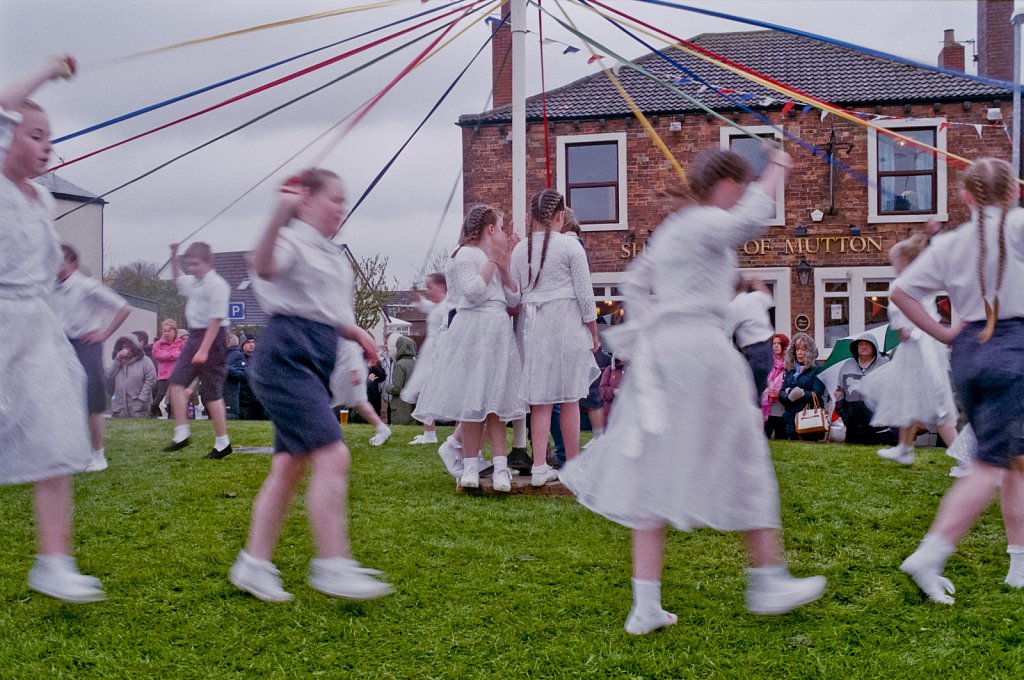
(991, 182)
(478, 217)
(543, 207)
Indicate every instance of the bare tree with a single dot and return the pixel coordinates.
(437, 262)
(373, 289)
(142, 279)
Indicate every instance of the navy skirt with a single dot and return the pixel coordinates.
(989, 379)
(290, 374)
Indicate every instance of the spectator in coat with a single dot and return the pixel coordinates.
(374, 380)
(405, 363)
(165, 352)
(249, 407)
(238, 368)
(800, 383)
(849, 404)
(132, 377)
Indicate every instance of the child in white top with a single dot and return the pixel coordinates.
(43, 438)
(82, 303)
(679, 447)
(432, 303)
(981, 265)
(205, 354)
(348, 381)
(749, 326)
(914, 387)
(557, 328)
(479, 362)
(299, 281)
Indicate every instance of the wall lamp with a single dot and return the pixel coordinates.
(801, 230)
(854, 230)
(803, 271)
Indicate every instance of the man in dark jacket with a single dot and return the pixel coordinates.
(249, 407)
(238, 367)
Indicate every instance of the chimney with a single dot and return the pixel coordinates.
(501, 58)
(952, 54)
(995, 39)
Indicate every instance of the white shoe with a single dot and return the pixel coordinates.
(470, 477)
(98, 463)
(542, 475)
(928, 578)
(340, 577)
(961, 469)
(641, 625)
(259, 578)
(381, 437)
(502, 480)
(779, 593)
(451, 455)
(57, 576)
(425, 438)
(904, 455)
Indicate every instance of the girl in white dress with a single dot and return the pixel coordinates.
(431, 303)
(43, 435)
(981, 265)
(914, 387)
(557, 328)
(479, 366)
(680, 448)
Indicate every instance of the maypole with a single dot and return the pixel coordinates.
(518, 453)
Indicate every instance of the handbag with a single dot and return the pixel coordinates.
(811, 420)
(837, 431)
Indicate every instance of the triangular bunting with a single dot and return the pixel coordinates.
(807, 107)
(569, 49)
(594, 57)
(788, 106)
(977, 128)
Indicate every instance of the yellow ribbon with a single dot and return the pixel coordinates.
(251, 29)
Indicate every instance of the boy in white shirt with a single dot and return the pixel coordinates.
(81, 303)
(205, 352)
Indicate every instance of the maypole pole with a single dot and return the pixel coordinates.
(1017, 21)
(518, 457)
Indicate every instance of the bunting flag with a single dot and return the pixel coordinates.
(570, 50)
(788, 106)
(807, 107)
(977, 128)
(595, 57)
(493, 21)
(824, 115)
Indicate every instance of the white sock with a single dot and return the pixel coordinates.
(646, 596)
(1015, 577)
(597, 431)
(181, 433)
(936, 550)
(471, 463)
(759, 575)
(332, 562)
(537, 469)
(98, 453)
(221, 443)
(500, 463)
(454, 442)
(383, 429)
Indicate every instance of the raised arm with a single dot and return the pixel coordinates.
(263, 256)
(16, 93)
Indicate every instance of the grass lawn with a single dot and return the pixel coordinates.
(493, 587)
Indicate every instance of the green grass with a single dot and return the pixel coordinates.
(493, 587)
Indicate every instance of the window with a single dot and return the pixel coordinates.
(907, 183)
(848, 302)
(609, 305)
(752, 149)
(778, 281)
(592, 177)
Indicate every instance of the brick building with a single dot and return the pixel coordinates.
(825, 255)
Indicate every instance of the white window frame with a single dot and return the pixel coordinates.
(941, 188)
(725, 136)
(782, 278)
(620, 138)
(855, 278)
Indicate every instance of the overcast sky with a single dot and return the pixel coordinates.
(401, 215)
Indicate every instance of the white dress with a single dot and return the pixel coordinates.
(437, 318)
(915, 386)
(558, 362)
(43, 430)
(680, 447)
(478, 367)
(349, 355)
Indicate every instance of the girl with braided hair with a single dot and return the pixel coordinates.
(679, 448)
(557, 328)
(479, 383)
(981, 265)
